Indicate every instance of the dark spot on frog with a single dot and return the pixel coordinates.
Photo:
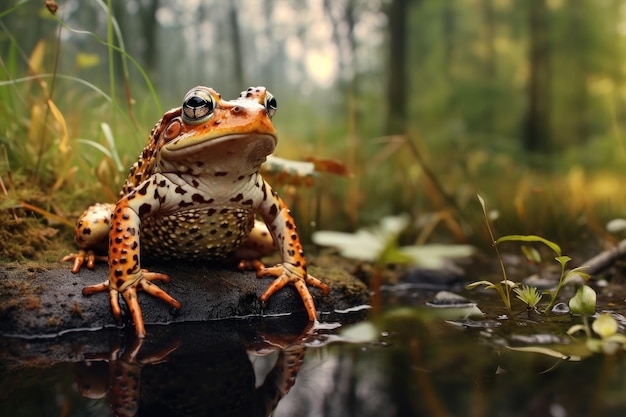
(119, 273)
(247, 202)
(118, 239)
(199, 198)
(144, 209)
(289, 224)
(210, 212)
(221, 174)
(273, 210)
(238, 197)
(144, 189)
(291, 252)
(224, 225)
(180, 190)
(224, 211)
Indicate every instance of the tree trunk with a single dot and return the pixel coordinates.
(397, 81)
(236, 44)
(149, 28)
(537, 123)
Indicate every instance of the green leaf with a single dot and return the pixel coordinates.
(487, 284)
(530, 238)
(605, 325)
(563, 260)
(584, 302)
(531, 254)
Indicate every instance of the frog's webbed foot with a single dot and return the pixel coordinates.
(82, 256)
(288, 275)
(144, 282)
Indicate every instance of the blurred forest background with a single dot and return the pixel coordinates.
(427, 102)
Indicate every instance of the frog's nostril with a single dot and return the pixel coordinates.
(236, 109)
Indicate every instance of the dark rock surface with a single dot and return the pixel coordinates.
(45, 300)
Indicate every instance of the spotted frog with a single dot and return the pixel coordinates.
(194, 194)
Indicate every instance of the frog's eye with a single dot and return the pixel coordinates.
(270, 104)
(198, 106)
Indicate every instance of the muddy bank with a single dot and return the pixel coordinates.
(46, 299)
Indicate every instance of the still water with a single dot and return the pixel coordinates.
(409, 360)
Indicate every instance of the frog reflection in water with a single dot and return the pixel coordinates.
(193, 194)
(220, 381)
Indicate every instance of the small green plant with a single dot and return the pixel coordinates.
(526, 294)
(503, 287)
(602, 336)
(529, 295)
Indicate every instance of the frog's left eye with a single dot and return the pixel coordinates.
(270, 104)
(198, 106)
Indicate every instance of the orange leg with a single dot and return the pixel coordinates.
(285, 277)
(130, 296)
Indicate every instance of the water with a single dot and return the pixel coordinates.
(410, 360)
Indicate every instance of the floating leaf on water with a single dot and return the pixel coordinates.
(546, 351)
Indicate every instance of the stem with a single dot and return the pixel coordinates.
(506, 297)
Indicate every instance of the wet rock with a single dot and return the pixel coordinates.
(429, 278)
(449, 299)
(46, 299)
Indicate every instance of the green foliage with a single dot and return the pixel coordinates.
(528, 295)
(531, 295)
(584, 302)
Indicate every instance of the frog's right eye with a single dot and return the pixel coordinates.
(198, 106)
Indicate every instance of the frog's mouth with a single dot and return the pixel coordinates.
(247, 146)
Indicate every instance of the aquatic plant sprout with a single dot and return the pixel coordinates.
(528, 294)
(504, 286)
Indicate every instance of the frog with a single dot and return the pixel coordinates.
(196, 192)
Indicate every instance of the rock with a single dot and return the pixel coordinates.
(46, 300)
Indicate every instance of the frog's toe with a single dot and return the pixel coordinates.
(155, 291)
(82, 256)
(250, 264)
(130, 296)
(286, 277)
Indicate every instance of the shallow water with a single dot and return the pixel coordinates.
(408, 360)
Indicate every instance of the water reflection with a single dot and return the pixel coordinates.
(159, 376)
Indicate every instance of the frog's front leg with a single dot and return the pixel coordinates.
(125, 273)
(292, 271)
